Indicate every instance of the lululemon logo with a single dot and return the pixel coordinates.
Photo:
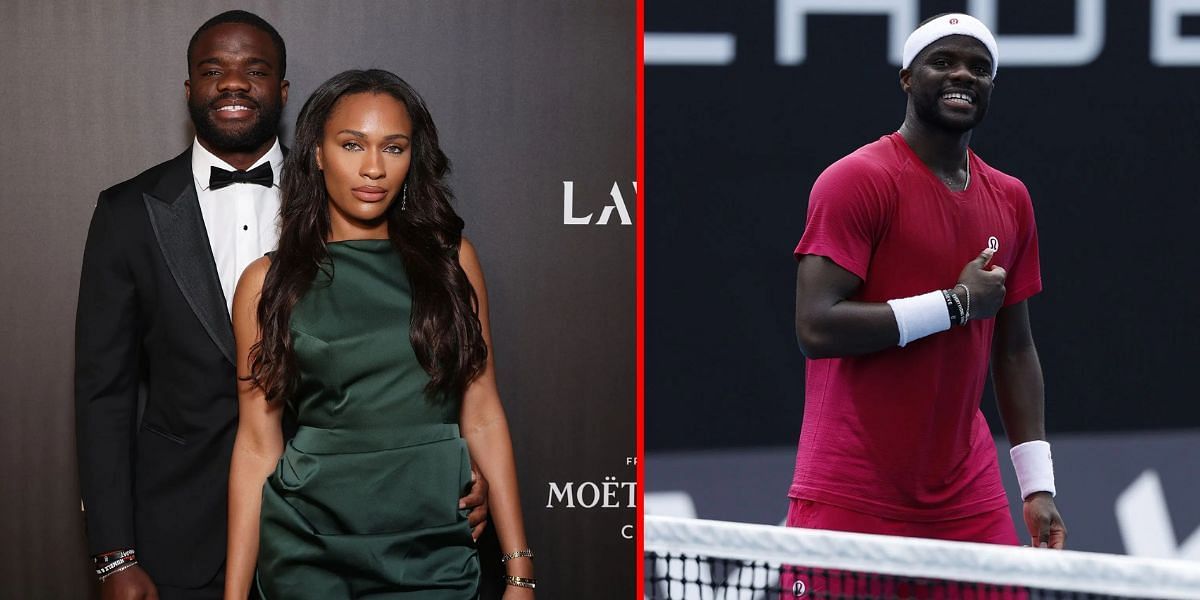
(799, 589)
(954, 21)
(993, 243)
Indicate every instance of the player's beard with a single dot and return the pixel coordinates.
(247, 138)
(929, 110)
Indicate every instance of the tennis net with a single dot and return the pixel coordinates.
(690, 559)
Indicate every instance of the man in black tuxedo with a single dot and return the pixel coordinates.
(155, 387)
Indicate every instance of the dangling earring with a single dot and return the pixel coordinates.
(404, 197)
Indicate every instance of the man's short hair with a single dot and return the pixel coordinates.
(245, 18)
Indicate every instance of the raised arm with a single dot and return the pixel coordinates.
(108, 363)
(1020, 397)
(486, 432)
(828, 324)
(258, 444)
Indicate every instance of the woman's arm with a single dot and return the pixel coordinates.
(486, 432)
(258, 444)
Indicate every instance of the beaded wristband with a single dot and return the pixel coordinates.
(525, 582)
(527, 553)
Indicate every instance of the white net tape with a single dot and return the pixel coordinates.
(1068, 571)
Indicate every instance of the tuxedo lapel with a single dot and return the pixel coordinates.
(175, 216)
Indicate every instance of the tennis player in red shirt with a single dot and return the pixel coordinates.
(914, 270)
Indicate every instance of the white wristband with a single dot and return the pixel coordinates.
(919, 316)
(1035, 468)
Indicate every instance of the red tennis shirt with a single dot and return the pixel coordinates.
(898, 433)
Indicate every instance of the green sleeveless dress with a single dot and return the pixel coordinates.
(364, 502)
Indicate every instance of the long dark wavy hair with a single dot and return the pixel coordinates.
(445, 331)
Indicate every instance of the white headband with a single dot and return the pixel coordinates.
(951, 24)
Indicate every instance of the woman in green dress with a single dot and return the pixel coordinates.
(370, 325)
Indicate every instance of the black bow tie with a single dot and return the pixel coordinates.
(262, 175)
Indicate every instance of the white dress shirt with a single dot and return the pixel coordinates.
(242, 219)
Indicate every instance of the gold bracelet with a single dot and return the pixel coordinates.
(527, 553)
(525, 582)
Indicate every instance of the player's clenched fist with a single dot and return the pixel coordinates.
(986, 285)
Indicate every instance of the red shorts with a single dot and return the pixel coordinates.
(995, 527)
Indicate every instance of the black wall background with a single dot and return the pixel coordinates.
(1107, 150)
